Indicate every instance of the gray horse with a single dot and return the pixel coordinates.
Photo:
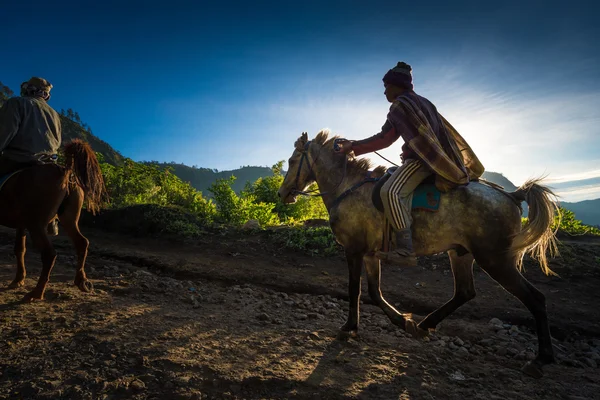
(473, 222)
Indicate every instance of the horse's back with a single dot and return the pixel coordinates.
(466, 215)
(32, 193)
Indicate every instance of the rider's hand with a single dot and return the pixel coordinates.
(343, 146)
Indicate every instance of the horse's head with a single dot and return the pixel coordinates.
(300, 174)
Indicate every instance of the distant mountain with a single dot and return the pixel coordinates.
(587, 211)
(202, 178)
(499, 179)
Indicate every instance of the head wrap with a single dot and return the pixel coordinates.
(36, 87)
(400, 75)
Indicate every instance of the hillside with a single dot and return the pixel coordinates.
(587, 211)
(72, 128)
(202, 178)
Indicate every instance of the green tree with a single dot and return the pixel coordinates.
(265, 190)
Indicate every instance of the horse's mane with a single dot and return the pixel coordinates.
(362, 164)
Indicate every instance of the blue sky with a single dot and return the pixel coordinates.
(228, 84)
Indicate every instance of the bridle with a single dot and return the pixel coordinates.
(315, 192)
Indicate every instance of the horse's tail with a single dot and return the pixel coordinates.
(81, 162)
(537, 236)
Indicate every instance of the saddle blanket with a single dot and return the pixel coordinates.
(426, 197)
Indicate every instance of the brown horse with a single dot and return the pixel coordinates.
(33, 197)
(473, 222)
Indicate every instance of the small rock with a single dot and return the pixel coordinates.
(457, 376)
(137, 385)
(501, 351)
(486, 342)
(495, 322)
(512, 351)
(301, 317)
(452, 346)
(459, 342)
(462, 351)
(589, 362)
(251, 224)
(263, 317)
(314, 336)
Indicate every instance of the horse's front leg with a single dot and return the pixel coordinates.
(373, 266)
(355, 263)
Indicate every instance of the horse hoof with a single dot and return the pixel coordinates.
(416, 332)
(345, 335)
(532, 369)
(32, 296)
(16, 284)
(85, 286)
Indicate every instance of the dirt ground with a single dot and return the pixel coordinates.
(232, 316)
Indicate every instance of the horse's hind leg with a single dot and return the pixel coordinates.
(20, 239)
(464, 289)
(69, 219)
(373, 267)
(355, 263)
(504, 271)
(41, 241)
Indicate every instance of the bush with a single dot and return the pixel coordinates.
(567, 223)
(265, 190)
(147, 220)
(314, 241)
(237, 210)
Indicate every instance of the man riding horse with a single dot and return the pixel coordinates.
(432, 147)
(30, 130)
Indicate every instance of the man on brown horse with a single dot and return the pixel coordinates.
(432, 147)
(30, 130)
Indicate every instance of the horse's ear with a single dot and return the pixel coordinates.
(301, 142)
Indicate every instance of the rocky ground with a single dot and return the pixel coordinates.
(232, 316)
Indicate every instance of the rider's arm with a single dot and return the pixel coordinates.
(383, 139)
(10, 118)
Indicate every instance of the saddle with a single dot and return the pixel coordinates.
(426, 196)
(5, 178)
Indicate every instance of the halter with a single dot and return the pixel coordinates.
(315, 193)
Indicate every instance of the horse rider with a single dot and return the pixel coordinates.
(30, 130)
(431, 147)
